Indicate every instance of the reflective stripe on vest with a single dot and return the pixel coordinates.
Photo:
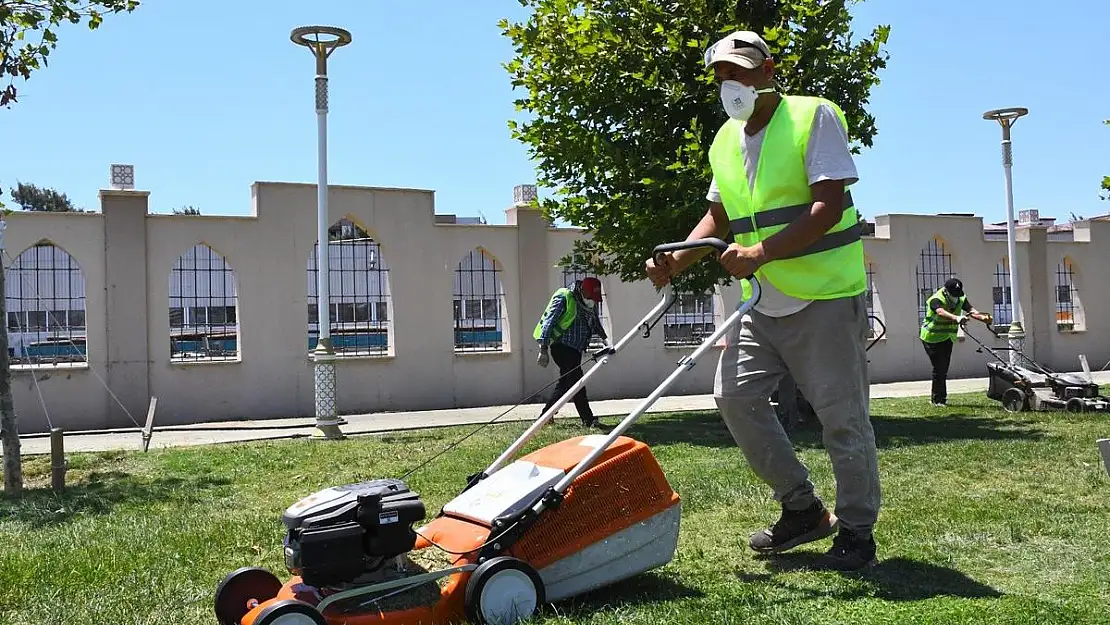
(830, 268)
(936, 328)
(565, 321)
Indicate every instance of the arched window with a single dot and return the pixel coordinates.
(1069, 308)
(1003, 311)
(45, 297)
(478, 300)
(203, 307)
(359, 317)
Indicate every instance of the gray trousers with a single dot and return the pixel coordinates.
(823, 347)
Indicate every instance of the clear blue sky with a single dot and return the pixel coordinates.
(206, 96)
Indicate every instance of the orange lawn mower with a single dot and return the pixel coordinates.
(564, 520)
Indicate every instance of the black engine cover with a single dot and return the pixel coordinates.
(336, 534)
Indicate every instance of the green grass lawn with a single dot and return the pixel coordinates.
(987, 518)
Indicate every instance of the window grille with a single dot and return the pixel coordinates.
(358, 293)
(203, 307)
(478, 300)
(45, 297)
(1066, 300)
(933, 269)
(690, 320)
(1003, 310)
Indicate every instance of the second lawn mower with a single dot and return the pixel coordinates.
(1032, 386)
(563, 520)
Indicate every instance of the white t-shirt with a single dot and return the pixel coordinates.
(827, 158)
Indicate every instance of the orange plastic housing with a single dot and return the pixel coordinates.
(625, 486)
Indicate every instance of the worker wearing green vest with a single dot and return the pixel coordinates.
(564, 332)
(945, 311)
(781, 168)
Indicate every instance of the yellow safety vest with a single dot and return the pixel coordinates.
(569, 313)
(935, 328)
(831, 268)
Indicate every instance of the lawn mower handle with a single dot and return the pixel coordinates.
(712, 242)
(993, 351)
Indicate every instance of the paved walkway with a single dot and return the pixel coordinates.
(238, 431)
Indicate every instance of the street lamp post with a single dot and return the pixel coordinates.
(1007, 118)
(322, 41)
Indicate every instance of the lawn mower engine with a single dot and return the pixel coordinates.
(342, 533)
(1067, 386)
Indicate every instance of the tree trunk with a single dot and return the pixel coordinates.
(9, 432)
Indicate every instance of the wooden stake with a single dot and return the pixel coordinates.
(58, 464)
(148, 430)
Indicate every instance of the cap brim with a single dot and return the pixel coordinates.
(741, 61)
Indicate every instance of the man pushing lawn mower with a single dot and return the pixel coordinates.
(945, 311)
(781, 166)
(564, 333)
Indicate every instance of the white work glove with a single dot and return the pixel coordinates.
(544, 358)
(962, 319)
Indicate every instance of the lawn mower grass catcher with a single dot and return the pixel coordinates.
(1036, 387)
(566, 519)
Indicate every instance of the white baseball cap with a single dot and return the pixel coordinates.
(743, 48)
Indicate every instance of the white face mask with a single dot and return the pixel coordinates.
(739, 99)
(590, 304)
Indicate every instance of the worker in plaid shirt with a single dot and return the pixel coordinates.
(564, 333)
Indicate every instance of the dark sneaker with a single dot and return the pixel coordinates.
(850, 552)
(795, 528)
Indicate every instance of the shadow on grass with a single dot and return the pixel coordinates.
(692, 428)
(644, 589)
(102, 493)
(896, 579)
(708, 430)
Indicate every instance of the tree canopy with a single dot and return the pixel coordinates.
(623, 112)
(28, 32)
(43, 199)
